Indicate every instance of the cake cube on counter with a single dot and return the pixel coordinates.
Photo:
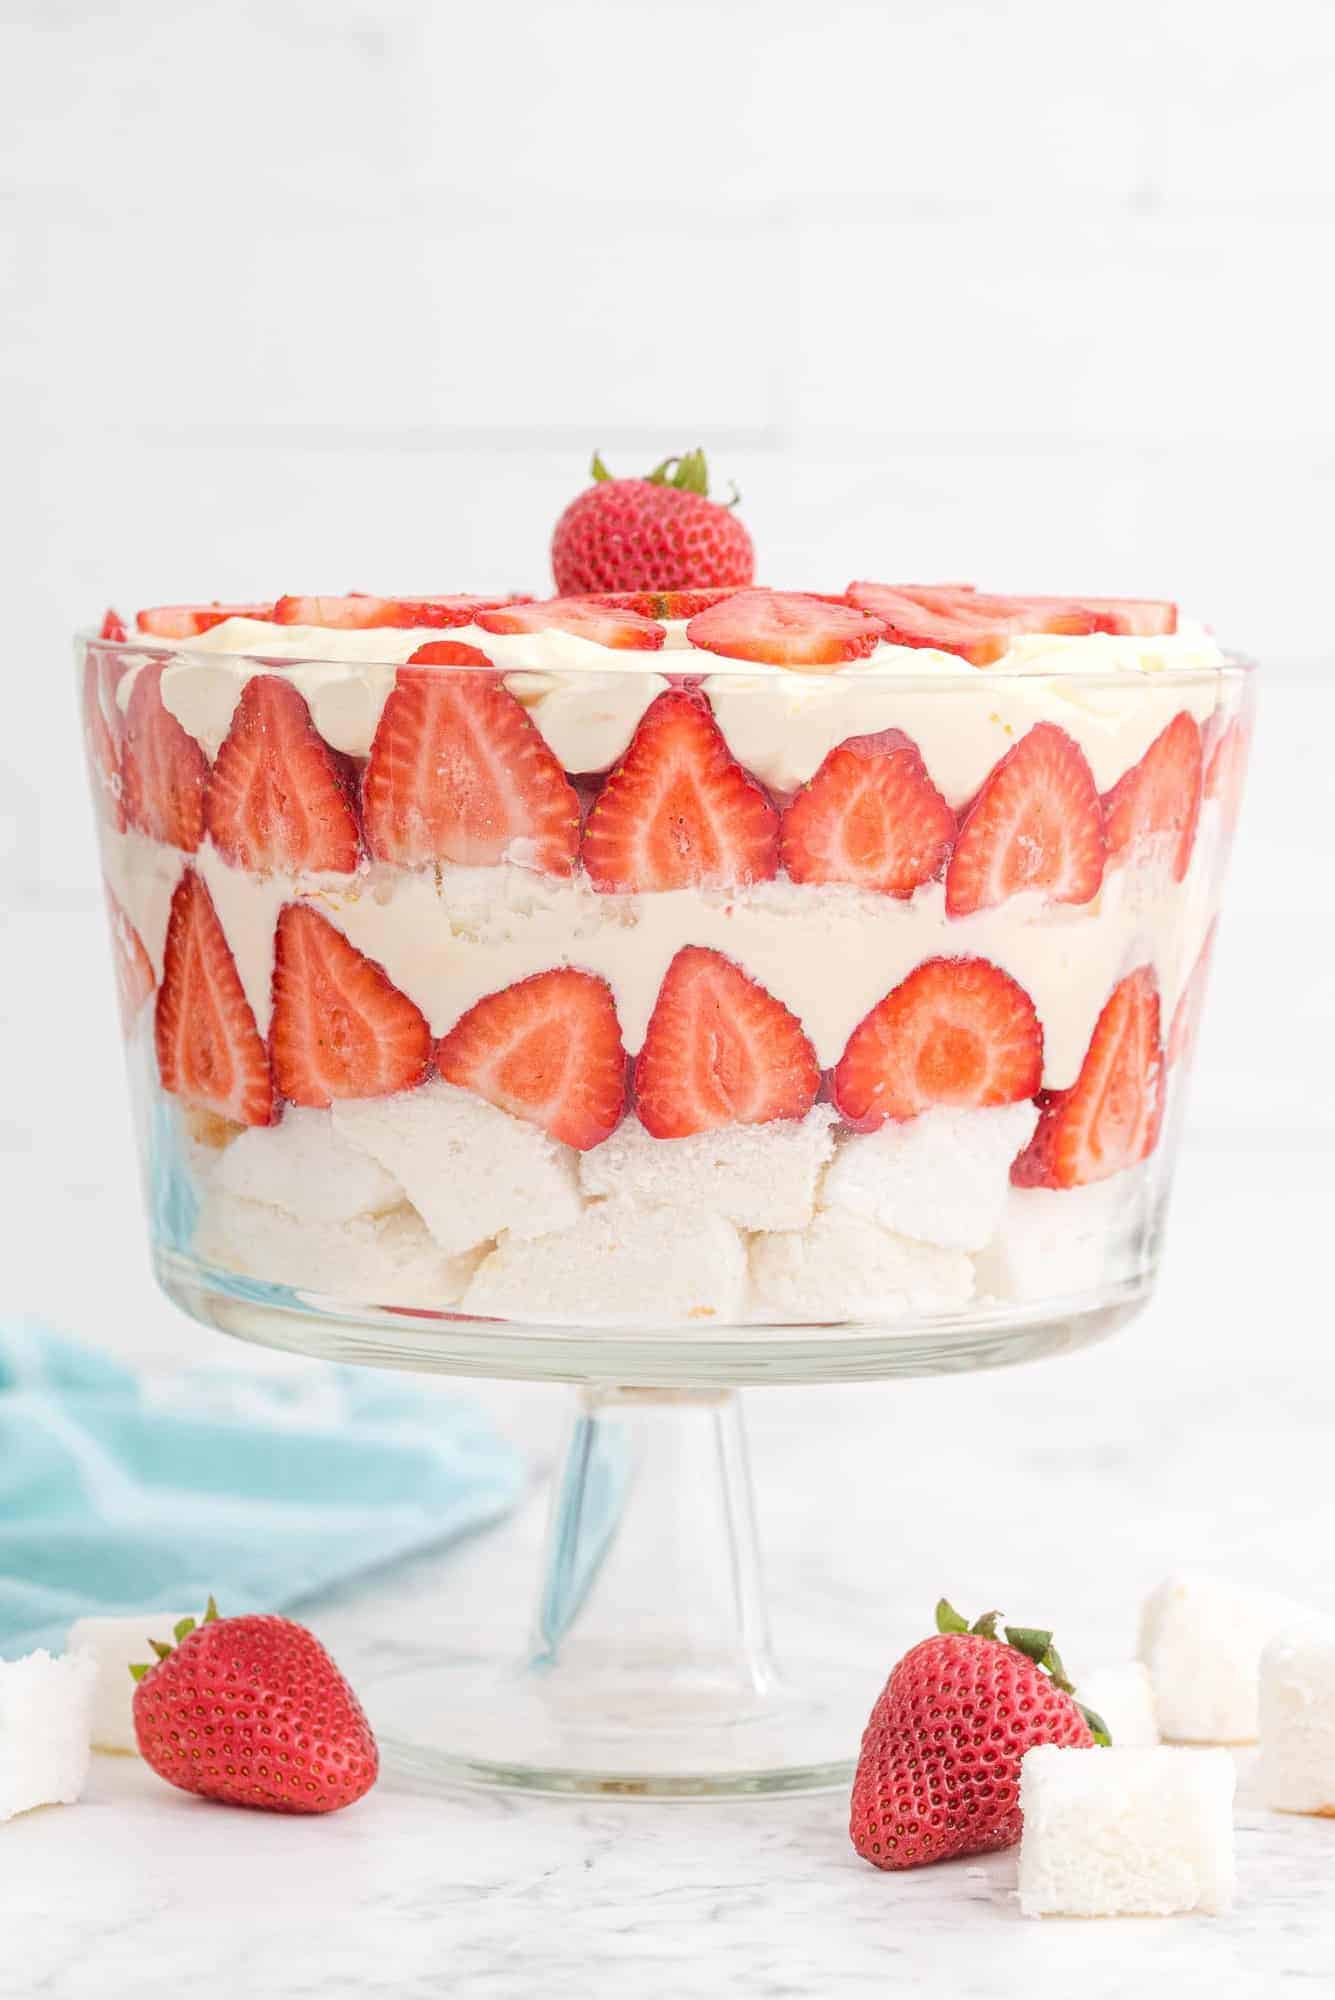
(1296, 1771)
(1202, 1640)
(1108, 1833)
(46, 1708)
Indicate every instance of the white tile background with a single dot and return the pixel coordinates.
(299, 295)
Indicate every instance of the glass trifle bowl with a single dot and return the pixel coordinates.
(777, 989)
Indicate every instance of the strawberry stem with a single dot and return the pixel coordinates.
(1031, 1640)
(180, 1631)
(685, 471)
(948, 1618)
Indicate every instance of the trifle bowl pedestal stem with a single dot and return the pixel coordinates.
(650, 1670)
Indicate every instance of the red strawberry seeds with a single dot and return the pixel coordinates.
(939, 1770)
(956, 1031)
(341, 1028)
(278, 797)
(253, 1712)
(208, 1047)
(719, 1050)
(458, 772)
(871, 817)
(656, 534)
(548, 1050)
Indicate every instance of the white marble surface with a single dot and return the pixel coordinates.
(1061, 1491)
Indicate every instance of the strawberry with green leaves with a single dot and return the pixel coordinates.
(252, 1711)
(939, 1773)
(660, 533)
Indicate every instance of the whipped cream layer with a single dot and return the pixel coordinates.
(1112, 694)
(448, 936)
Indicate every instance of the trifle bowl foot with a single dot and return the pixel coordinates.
(650, 1671)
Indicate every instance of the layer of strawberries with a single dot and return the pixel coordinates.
(458, 773)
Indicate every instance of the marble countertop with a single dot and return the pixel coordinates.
(1062, 1491)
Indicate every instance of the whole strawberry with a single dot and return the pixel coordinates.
(939, 1773)
(253, 1712)
(662, 533)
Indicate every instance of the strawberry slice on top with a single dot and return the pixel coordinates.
(112, 626)
(679, 811)
(956, 1031)
(664, 605)
(1036, 825)
(1110, 1116)
(1133, 617)
(871, 816)
(187, 621)
(208, 1047)
(459, 772)
(164, 771)
(785, 628)
(548, 1050)
(1157, 803)
(720, 1050)
(958, 619)
(621, 629)
(361, 612)
(341, 1028)
(278, 797)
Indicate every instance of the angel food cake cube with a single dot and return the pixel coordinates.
(1126, 1833)
(46, 1708)
(757, 1176)
(1202, 1640)
(1296, 1771)
(940, 1178)
(621, 1261)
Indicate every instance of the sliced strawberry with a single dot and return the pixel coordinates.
(1226, 772)
(340, 1028)
(679, 810)
(164, 769)
(959, 619)
(1036, 824)
(672, 605)
(101, 738)
(458, 772)
(1158, 797)
(785, 628)
(209, 1049)
(720, 1050)
(359, 612)
(957, 1031)
(624, 631)
(1110, 1117)
(1187, 1013)
(135, 978)
(1138, 617)
(278, 797)
(870, 816)
(112, 626)
(547, 1050)
(187, 621)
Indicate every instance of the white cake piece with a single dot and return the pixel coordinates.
(1125, 1833)
(1124, 1697)
(942, 1177)
(468, 1169)
(1202, 1640)
(1296, 1769)
(116, 1644)
(303, 1166)
(378, 1260)
(46, 1708)
(1054, 1241)
(621, 1262)
(844, 1266)
(758, 1176)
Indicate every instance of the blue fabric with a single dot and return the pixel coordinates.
(118, 1491)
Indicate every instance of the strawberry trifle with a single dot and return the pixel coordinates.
(675, 959)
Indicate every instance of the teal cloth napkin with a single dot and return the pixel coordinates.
(119, 1491)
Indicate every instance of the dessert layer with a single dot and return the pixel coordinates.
(447, 937)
